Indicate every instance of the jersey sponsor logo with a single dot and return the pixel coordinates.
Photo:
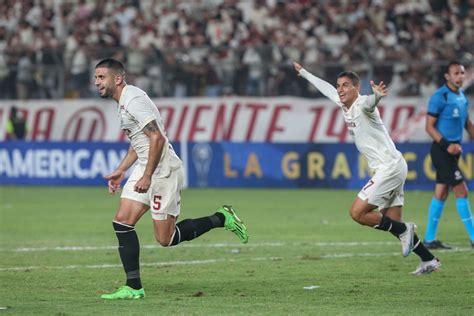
(350, 126)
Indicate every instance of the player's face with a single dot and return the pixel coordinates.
(105, 81)
(347, 91)
(455, 76)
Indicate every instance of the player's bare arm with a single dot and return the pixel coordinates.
(116, 177)
(157, 142)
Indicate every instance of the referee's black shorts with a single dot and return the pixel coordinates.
(446, 166)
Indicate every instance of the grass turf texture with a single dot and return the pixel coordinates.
(298, 238)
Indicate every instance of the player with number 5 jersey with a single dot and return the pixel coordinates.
(379, 203)
(155, 182)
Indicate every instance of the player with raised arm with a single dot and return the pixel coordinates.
(155, 182)
(384, 191)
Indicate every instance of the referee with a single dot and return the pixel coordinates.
(448, 116)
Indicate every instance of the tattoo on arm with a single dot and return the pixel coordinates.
(151, 128)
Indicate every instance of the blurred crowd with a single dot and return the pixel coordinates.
(178, 48)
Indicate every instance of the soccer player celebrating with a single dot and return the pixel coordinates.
(448, 116)
(155, 182)
(384, 192)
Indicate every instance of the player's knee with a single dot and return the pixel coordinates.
(164, 241)
(460, 190)
(441, 196)
(356, 216)
(122, 219)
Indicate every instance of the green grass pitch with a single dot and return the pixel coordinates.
(58, 254)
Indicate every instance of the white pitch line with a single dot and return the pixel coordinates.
(149, 264)
(213, 245)
(209, 261)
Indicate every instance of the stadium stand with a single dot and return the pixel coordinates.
(210, 47)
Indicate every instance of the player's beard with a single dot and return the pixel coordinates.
(107, 93)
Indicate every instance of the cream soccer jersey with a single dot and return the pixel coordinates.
(365, 125)
(136, 110)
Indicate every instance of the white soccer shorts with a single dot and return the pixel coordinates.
(163, 196)
(385, 189)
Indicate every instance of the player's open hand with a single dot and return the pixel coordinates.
(142, 185)
(297, 67)
(114, 180)
(380, 89)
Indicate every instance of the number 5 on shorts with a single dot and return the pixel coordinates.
(156, 202)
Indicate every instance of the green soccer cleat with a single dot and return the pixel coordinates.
(125, 293)
(233, 223)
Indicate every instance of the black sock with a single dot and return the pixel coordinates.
(390, 225)
(190, 229)
(420, 250)
(129, 250)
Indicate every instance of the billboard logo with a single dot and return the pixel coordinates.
(202, 157)
(87, 124)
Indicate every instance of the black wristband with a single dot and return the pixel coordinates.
(443, 143)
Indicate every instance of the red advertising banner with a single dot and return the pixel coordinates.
(275, 119)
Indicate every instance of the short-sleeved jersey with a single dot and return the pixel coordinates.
(365, 125)
(451, 109)
(136, 110)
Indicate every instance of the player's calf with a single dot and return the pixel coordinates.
(129, 250)
(190, 229)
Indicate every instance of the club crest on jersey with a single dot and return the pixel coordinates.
(455, 112)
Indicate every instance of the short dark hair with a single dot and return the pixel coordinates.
(452, 63)
(113, 64)
(354, 77)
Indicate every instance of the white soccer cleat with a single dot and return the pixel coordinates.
(406, 238)
(426, 267)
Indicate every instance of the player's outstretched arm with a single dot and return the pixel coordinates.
(379, 91)
(323, 86)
